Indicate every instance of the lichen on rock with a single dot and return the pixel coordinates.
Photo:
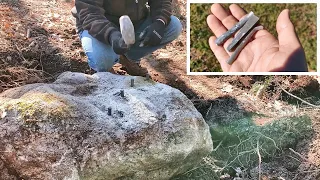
(36, 106)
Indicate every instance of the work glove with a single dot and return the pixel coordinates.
(152, 34)
(117, 43)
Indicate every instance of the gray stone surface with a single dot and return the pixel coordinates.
(63, 131)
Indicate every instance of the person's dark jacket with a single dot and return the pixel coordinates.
(101, 17)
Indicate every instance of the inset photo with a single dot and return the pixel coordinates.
(253, 38)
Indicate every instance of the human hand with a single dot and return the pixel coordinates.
(152, 35)
(264, 53)
(117, 43)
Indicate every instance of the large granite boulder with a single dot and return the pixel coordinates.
(81, 127)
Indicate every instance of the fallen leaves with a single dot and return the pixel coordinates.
(53, 16)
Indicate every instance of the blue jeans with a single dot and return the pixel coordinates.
(101, 56)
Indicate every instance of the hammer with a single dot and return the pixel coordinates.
(127, 30)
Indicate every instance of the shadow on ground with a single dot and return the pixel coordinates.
(34, 59)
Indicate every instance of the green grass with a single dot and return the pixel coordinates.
(303, 17)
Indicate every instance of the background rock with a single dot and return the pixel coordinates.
(63, 130)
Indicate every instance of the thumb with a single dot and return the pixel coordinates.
(286, 32)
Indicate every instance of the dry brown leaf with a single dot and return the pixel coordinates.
(7, 25)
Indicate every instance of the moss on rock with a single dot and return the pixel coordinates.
(35, 106)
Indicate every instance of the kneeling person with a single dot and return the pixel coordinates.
(98, 28)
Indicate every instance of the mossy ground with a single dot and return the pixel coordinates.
(236, 145)
(303, 17)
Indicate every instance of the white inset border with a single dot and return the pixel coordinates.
(250, 73)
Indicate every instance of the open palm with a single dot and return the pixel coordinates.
(264, 53)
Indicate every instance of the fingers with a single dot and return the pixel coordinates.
(215, 25)
(220, 54)
(142, 37)
(219, 11)
(286, 32)
(229, 20)
(144, 33)
(237, 11)
(145, 41)
(225, 17)
(222, 20)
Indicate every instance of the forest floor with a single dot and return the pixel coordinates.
(53, 47)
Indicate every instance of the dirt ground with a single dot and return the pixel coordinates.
(38, 42)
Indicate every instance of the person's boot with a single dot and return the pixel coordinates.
(133, 68)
